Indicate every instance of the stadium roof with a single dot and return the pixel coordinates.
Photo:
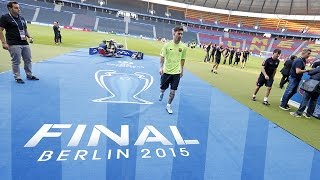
(289, 7)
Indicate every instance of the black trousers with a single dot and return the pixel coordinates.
(225, 59)
(230, 60)
(56, 38)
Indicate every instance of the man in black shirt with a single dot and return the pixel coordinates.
(286, 70)
(268, 70)
(245, 56)
(226, 55)
(207, 58)
(231, 56)
(16, 41)
(219, 51)
(56, 32)
(237, 57)
(213, 52)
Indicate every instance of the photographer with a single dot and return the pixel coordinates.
(111, 48)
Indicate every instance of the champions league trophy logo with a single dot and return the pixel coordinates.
(123, 87)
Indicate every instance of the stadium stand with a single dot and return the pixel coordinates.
(287, 46)
(108, 15)
(163, 29)
(37, 3)
(236, 43)
(132, 6)
(84, 21)
(159, 9)
(270, 25)
(49, 16)
(74, 10)
(85, 17)
(205, 31)
(27, 12)
(111, 25)
(206, 39)
(3, 8)
(189, 37)
(176, 13)
(138, 29)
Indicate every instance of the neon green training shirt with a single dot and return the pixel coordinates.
(173, 53)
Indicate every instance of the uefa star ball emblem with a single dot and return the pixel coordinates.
(123, 87)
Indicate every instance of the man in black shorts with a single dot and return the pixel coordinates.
(226, 55)
(237, 57)
(219, 51)
(173, 55)
(231, 55)
(245, 57)
(268, 71)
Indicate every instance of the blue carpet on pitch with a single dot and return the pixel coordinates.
(91, 117)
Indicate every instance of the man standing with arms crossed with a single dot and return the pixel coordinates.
(56, 32)
(16, 41)
(173, 55)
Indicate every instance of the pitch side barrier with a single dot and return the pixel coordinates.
(119, 52)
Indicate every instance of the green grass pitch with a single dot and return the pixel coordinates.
(237, 83)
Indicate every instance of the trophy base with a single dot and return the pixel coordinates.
(108, 100)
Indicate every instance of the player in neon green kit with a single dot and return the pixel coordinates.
(173, 55)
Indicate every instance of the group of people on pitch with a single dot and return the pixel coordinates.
(215, 53)
(173, 56)
(292, 72)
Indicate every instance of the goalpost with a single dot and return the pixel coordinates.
(266, 54)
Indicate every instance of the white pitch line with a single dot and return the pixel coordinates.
(125, 41)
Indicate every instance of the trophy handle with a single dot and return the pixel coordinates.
(102, 73)
(99, 75)
(148, 82)
(147, 77)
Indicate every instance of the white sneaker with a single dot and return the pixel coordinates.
(169, 109)
(306, 115)
(295, 114)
